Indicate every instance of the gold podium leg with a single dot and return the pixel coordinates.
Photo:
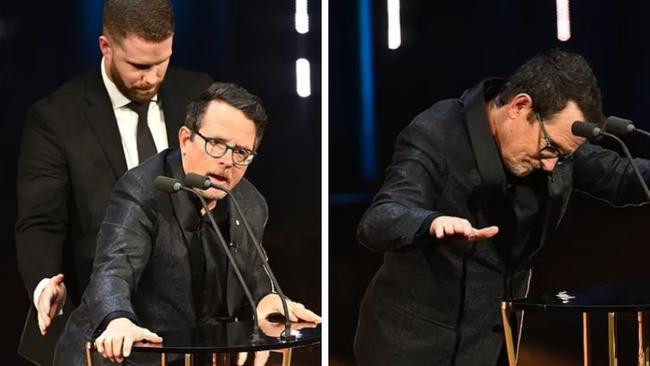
(611, 330)
(286, 357)
(644, 359)
(586, 340)
(89, 353)
(189, 359)
(163, 359)
(506, 312)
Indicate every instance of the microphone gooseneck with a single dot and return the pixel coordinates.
(203, 182)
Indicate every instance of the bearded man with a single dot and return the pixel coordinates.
(78, 142)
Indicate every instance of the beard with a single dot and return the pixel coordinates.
(136, 94)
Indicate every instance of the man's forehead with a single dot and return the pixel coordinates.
(139, 50)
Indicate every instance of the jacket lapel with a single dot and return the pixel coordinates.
(188, 219)
(101, 118)
(559, 191)
(238, 242)
(488, 158)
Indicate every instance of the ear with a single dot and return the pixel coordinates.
(106, 46)
(521, 104)
(184, 137)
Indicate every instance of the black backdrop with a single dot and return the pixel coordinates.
(253, 43)
(448, 46)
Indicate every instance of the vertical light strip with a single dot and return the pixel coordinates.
(302, 17)
(367, 73)
(394, 25)
(563, 21)
(303, 78)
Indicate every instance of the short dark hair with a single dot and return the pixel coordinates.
(151, 20)
(234, 95)
(552, 79)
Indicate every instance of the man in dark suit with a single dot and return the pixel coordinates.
(78, 142)
(475, 188)
(158, 264)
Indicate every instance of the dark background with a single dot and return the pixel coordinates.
(447, 47)
(253, 43)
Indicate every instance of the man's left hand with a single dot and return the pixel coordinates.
(271, 304)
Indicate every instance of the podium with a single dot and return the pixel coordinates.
(611, 299)
(215, 343)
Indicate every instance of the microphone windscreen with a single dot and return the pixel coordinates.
(585, 129)
(619, 126)
(167, 184)
(197, 181)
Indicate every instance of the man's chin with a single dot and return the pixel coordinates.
(519, 171)
(141, 97)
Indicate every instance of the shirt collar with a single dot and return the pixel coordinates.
(118, 100)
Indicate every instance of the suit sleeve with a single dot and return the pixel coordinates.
(123, 249)
(43, 187)
(604, 174)
(407, 199)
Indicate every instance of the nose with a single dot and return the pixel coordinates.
(226, 159)
(150, 76)
(548, 165)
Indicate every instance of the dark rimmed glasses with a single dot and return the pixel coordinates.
(216, 148)
(550, 150)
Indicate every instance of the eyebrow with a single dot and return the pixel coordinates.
(145, 66)
(226, 142)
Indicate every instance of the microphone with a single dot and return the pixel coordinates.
(591, 130)
(622, 126)
(588, 130)
(203, 182)
(167, 184)
(171, 185)
(619, 126)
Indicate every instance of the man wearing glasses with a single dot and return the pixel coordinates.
(158, 264)
(475, 188)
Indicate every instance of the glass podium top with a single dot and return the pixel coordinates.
(232, 337)
(610, 298)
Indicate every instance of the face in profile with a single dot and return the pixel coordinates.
(221, 124)
(136, 66)
(529, 145)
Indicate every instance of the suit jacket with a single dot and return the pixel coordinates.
(144, 259)
(70, 160)
(437, 302)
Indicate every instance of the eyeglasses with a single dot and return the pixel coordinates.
(550, 150)
(217, 148)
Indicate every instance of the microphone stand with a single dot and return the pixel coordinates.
(194, 180)
(172, 185)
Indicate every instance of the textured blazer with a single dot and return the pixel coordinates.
(143, 263)
(436, 302)
(70, 160)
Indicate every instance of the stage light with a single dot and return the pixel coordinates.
(302, 17)
(563, 21)
(394, 26)
(303, 78)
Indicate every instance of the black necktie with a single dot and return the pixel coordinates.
(144, 139)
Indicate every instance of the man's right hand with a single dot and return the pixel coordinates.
(50, 302)
(448, 226)
(117, 339)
